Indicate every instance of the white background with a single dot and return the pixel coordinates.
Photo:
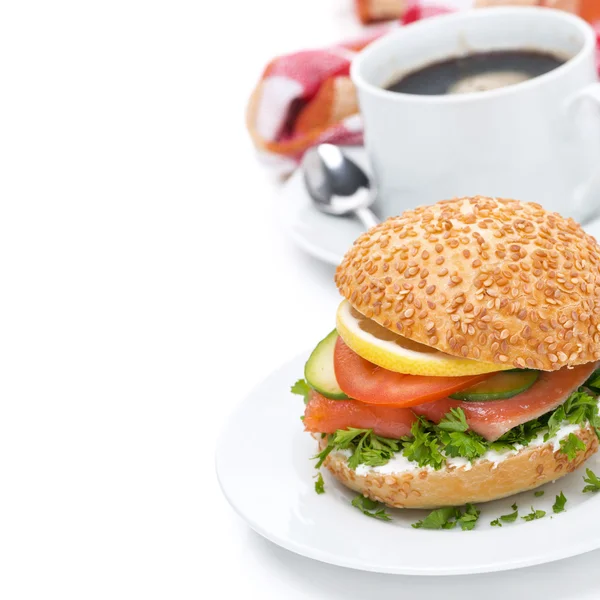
(144, 289)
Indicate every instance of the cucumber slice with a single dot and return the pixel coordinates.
(499, 387)
(319, 372)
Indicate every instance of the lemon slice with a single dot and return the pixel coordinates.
(396, 353)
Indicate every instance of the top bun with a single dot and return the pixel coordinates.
(494, 280)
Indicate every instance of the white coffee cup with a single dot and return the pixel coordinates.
(537, 141)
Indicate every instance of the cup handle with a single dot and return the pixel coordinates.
(588, 193)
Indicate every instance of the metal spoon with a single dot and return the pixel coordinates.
(337, 185)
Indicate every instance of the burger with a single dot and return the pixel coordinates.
(462, 365)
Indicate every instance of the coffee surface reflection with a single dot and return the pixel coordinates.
(477, 72)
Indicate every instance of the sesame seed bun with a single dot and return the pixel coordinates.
(454, 486)
(494, 280)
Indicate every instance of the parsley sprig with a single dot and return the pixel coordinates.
(579, 407)
(431, 444)
(449, 517)
(468, 519)
(534, 514)
(559, 504)
(593, 483)
(442, 518)
(510, 518)
(367, 448)
(301, 388)
(370, 508)
(320, 484)
(571, 446)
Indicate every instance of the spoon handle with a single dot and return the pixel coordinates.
(367, 217)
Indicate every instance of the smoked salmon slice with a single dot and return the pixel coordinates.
(493, 419)
(327, 416)
(490, 419)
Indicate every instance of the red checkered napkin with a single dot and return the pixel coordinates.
(307, 98)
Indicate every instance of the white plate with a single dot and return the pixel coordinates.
(323, 236)
(266, 473)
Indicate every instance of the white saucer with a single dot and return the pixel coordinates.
(323, 236)
(265, 470)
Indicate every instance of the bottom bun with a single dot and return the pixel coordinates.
(454, 486)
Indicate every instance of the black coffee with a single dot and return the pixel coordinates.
(477, 72)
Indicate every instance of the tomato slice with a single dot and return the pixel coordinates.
(323, 415)
(364, 381)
